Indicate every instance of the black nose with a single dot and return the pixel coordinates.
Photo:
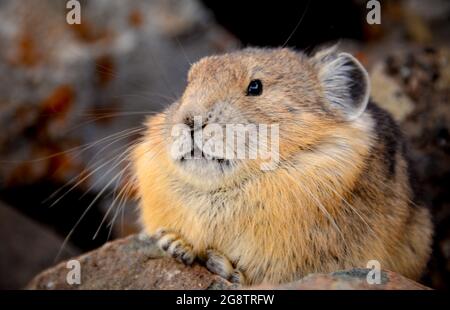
(189, 121)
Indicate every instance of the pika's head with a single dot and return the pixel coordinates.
(255, 110)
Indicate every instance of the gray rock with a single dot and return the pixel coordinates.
(354, 279)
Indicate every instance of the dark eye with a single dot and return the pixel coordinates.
(255, 88)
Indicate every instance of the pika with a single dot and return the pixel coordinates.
(340, 195)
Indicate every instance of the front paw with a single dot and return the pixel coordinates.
(172, 244)
(219, 264)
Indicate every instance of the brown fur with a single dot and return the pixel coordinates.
(332, 204)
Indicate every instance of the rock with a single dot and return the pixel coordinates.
(130, 263)
(354, 279)
(388, 94)
(137, 263)
(26, 248)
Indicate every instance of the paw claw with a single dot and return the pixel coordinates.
(174, 246)
(221, 265)
(188, 258)
(237, 277)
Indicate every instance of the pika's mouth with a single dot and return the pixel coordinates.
(197, 157)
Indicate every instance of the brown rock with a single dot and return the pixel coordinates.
(130, 263)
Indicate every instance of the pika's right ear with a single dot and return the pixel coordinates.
(345, 82)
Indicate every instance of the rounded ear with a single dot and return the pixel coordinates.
(345, 82)
(324, 53)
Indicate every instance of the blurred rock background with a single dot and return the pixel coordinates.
(73, 98)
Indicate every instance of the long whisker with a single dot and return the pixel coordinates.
(111, 223)
(109, 209)
(82, 217)
(80, 176)
(80, 148)
(184, 52)
(109, 115)
(298, 24)
(117, 162)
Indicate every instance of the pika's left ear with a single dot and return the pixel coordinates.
(344, 81)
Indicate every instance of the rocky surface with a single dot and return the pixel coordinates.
(130, 263)
(136, 263)
(355, 279)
